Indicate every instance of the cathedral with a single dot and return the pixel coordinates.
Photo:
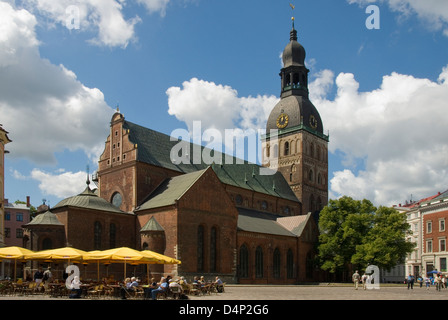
(218, 219)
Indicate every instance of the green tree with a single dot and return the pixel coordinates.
(356, 232)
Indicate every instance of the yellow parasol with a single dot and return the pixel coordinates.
(162, 259)
(118, 255)
(15, 253)
(66, 253)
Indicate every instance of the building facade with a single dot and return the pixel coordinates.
(4, 139)
(16, 215)
(427, 219)
(221, 218)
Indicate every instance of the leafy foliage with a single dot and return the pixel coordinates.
(356, 232)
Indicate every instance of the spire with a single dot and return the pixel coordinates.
(88, 178)
(293, 33)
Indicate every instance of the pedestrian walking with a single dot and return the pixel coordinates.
(364, 281)
(427, 282)
(410, 281)
(355, 279)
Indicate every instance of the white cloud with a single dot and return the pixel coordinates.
(398, 130)
(434, 13)
(218, 106)
(219, 109)
(43, 106)
(105, 17)
(155, 5)
(61, 185)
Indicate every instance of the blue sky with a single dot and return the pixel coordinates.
(382, 93)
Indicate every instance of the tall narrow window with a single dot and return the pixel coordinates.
(290, 264)
(259, 262)
(213, 249)
(244, 262)
(200, 249)
(286, 148)
(97, 230)
(112, 235)
(276, 269)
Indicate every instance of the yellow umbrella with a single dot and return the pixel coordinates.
(66, 253)
(162, 259)
(16, 253)
(122, 254)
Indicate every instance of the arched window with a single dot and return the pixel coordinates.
(244, 262)
(112, 235)
(312, 205)
(276, 258)
(311, 175)
(97, 233)
(259, 262)
(213, 249)
(309, 265)
(290, 264)
(286, 151)
(200, 248)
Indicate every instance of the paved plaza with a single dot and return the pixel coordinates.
(300, 292)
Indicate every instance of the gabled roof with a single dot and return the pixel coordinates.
(88, 199)
(171, 190)
(154, 148)
(294, 224)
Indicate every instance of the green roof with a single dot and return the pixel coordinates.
(88, 199)
(46, 218)
(261, 222)
(154, 148)
(152, 225)
(171, 190)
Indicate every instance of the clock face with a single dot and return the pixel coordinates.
(282, 121)
(313, 122)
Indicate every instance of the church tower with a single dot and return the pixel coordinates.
(295, 143)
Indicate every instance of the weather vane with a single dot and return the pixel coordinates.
(292, 18)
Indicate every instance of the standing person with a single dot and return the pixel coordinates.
(364, 281)
(428, 282)
(355, 279)
(38, 276)
(410, 281)
(438, 282)
(420, 280)
(47, 275)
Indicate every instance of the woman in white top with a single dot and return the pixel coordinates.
(76, 288)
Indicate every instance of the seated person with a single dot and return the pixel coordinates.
(124, 287)
(148, 289)
(76, 288)
(162, 288)
(173, 283)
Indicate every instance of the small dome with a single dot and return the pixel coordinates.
(294, 53)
